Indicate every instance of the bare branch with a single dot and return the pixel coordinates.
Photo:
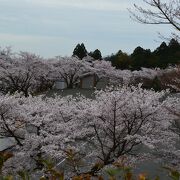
(158, 12)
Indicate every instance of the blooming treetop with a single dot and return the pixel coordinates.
(31, 74)
(25, 73)
(70, 69)
(114, 124)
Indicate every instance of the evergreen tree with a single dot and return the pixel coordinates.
(80, 51)
(163, 48)
(141, 58)
(121, 60)
(174, 52)
(167, 54)
(162, 53)
(174, 45)
(96, 54)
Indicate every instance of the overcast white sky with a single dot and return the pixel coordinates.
(54, 27)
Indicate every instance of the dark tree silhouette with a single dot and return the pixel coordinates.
(96, 54)
(121, 60)
(80, 51)
(140, 58)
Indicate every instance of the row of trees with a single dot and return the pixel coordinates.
(25, 72)
(156, 12)
(162, 56)
(31, 74)
(110, 127)
(81, 52)
(113, 125)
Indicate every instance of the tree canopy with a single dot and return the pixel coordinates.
(162, 57)
(96, 54)
(80, 51)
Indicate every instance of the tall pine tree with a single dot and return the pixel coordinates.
(80, 51)
(96, 54)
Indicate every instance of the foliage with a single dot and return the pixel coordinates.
(26, 73)
(161, 57)
(115, 124)
(69, 70)
(3, 158)
(173, 174)
(80, 51)
(117, 171)
(110, 126)
(96, 54)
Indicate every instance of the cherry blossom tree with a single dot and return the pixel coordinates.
(122, 119)
(170, 78)
(37, 126)
(6, 54)
(103, 69)
(160, 13)
(164, 12)
(70, 69)
(116, 123)
(25, 73)
(11, 122)
(128, 77)
(30, 74)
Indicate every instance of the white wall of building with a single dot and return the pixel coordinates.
(60, 85)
